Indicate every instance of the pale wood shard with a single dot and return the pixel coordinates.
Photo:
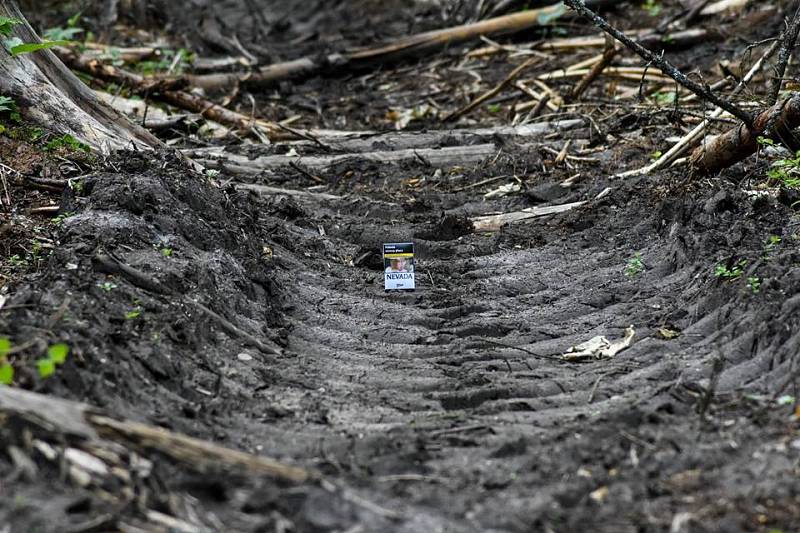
(495, 222)
(266, 189)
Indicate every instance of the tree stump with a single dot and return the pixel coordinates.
(48, 93)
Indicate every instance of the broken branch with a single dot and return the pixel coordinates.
(658, 60)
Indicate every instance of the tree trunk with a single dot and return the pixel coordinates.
(49, 94)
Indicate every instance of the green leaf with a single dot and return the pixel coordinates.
(7, 104)
(7, 25)
(27, 48)
(58, 353)
(72, 22)
(130, 315)
(786, 399)
(5, 346)
(46, 367)
(61, 34)
(6, 374)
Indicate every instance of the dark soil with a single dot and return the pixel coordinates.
(446, 409)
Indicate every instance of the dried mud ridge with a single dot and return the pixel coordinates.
(266, 330)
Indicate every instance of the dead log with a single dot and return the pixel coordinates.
(367, 141)
(434, 157)
(736, 144)
(48, 93)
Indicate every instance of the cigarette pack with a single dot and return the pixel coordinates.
(398, 265)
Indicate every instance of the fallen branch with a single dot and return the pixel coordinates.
(788, 41)
(492, 92)
(664, 65)
(691, 138)
(166, 91)
(434, 156)
(368, 141)
(413, 45)
(608, 56)
(734, 145)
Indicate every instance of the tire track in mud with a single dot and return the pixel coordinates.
(441, 403)
(425, 403)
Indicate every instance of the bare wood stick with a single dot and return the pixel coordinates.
(666, 67)
(788, 41)
(492, 92)
(597, 69)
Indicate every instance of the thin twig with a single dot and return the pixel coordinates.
(666, 67)
(492, 92)
(608, 55)
(788, 41)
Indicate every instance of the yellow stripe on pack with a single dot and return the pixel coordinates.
(392, 256)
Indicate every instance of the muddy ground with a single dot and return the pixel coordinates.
(446, 409)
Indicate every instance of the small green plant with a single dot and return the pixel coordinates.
(46, 366)
(107, 286)
(17, 261)
(15, 45)
(773, 241)
(67, 141)
(6, 370)
(730, 274)
(7, 25)
(493, 108)
(665, 98)
(8, 106)
(177, 60)
(635, 265)
(652, 7)
(56, 355)
(65, 34)
(754, 284)
(166, 252)
(133, 314)
(765, 141)
(786, 172)
(59, 220)
(656, 155)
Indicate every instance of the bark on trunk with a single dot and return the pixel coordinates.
(49, 94)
